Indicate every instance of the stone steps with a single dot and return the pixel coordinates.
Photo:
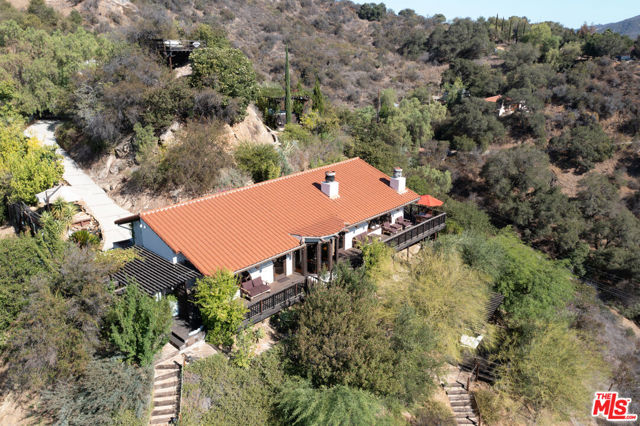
(166, 393)
(462, 404)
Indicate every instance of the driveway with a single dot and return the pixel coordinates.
(96, 200)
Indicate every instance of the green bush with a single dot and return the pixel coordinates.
(20, 259)
(100, 395)
(85, 238)
(429, 180)
(26, 167)
(245, 343)
(301, 404)
(608, 43)
(489, 405)
(66, 306)
(376, 258)
(139, 325)
(535, 288)
(463, 143)
(339, 342)
(551, 368)
(372, 11)
(582, 146)
(435, 413)
(261, 161)
(221, 313)
(464, 38)
(217, 392)
(228, 71)
(468, 216)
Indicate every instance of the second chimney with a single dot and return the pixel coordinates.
(330, 186)
(398, 182)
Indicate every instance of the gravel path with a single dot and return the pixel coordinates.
(96, 200)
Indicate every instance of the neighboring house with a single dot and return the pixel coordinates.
(280, 235)
(507, 105)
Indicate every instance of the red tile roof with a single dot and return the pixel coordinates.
(242, 227)
(493, 98)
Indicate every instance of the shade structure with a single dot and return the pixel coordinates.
(429, 201)
(57, 192)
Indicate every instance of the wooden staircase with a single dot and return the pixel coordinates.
(462, 403)
(166, 393)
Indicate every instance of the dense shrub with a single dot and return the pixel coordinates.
(26, 167)
(221, 313)
(480, 80)
(108, 389)
(372, 11)
(467, 216)
(139, 325)
(432, 289)
(217, 392)
(554, 368)
(338, 341)
(59, 329)
(227, 71)
(112, 97)
(261, 161)
(582, 146)
(41, 65)
(464, 38)
(476, 119)
(302, 404)
(20, 259)
(428, 180)
(535, 288)
(608, 43)
(193, 163)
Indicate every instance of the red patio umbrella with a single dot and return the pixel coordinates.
(429, 201)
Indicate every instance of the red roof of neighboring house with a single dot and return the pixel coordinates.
(239, 228)
(495, 98)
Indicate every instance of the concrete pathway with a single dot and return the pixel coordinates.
(96, 200)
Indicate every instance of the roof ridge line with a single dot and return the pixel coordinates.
(232, 191)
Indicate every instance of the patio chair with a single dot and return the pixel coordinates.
(388, 229)
(403, 222)
(254, 288)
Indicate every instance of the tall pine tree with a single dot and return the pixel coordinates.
(317, 98)
(287, 83)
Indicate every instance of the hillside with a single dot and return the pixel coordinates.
(353, 58)
(629, 27)
(528, 132)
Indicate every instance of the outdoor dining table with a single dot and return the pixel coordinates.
(421, 217)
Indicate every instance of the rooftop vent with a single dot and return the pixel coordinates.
(398, 182)
(330, 186)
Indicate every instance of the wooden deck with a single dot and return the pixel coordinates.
(352, 255)
(285, 291)
(416, 233)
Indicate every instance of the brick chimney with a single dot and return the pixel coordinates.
(330, 186)
(398, 182)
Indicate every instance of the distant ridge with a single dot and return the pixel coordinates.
(629, 27)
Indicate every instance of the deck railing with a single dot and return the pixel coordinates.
(23, 218)
(416, 233)
(276, 302)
